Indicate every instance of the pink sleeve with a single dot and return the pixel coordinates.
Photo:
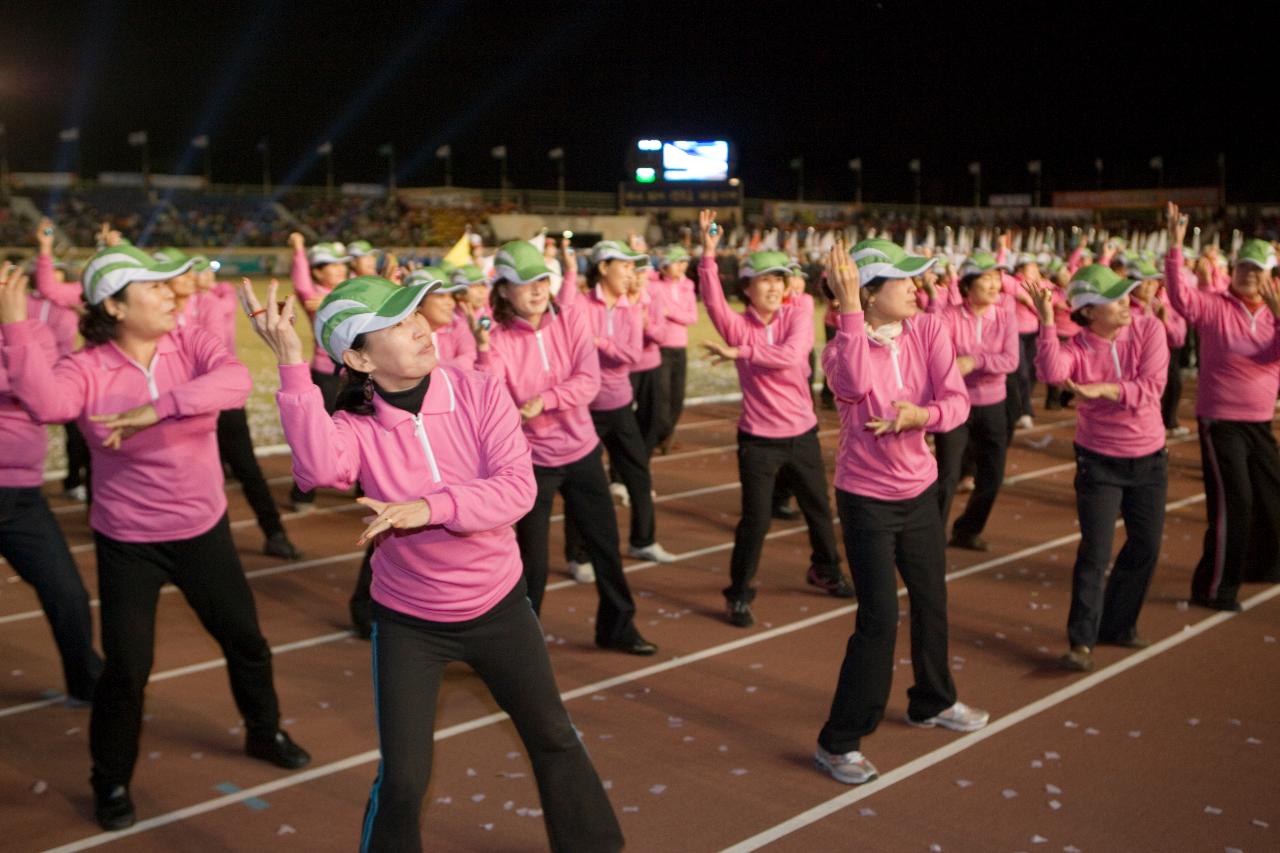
(1188, 301)
(729, 323)
(53, 393)
(325, 450)
(1076, 260)
(1006, 360)
(41, 336)
(62, 294)
(797, 341)
(221, 382)
(569, 293)
(683, 308)
(63, 322)
(656, 331)
(504, 496)
(300, 271)
(1153, 370)
(626, 345)
(583, 383)
(950, 404)
(1053, 366)
(845, 360)
(1175, 328)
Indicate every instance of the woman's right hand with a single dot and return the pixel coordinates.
(1042, 299)
(13, 294)
(1177, 223)
(843, 278)
(274, 324)
(44, 236)
(297, 242)
(478, 329)
(710, 239)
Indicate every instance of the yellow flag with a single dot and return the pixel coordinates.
(460, 254)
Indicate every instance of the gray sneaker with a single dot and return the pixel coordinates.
(852, 768)
(959, 718)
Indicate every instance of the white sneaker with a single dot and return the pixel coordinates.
(654, 552)
(852, 768)
(79, 493)
(959, 718)
(619, 494)
(1024, 422)
(1178, 431)
(304, 507)
(582, 572)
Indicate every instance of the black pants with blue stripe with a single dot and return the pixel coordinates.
(506, 649)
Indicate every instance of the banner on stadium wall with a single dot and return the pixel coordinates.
(120, 179)
(523, 226)
(1009, 200)
(42, 180)
(808, 212)
(1152, 198)
(178, 182)
(679, 195)
(364, 190)
(440, 197)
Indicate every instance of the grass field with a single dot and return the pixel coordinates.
(264, 419)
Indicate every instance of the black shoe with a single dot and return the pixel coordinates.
(841, 587)
(278, 545)
(112, 808)
(1133, 641)
(279, 749)
(1217, 604)
(740, 614)
(639, 646)
(362, 627)
(968, 543)
(785, 512)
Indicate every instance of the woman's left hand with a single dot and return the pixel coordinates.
(909, 416)
(406, 515)
(125, 424)
(720, 353)
(1094, 390)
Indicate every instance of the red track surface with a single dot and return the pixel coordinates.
(707, 745)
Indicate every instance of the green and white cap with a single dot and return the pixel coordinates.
(361, 305)
(1258, 253)
(327, 253)
(977, 264)
(519, 262)
(765, 263)
(1025, 258)
(361, 249)
(886, 259)
(794, 267)
(672, 255)
(434, 278)
(112, 268)
(1143, 269)
(199, 263)
(615, 250)
(1096, 284)
(171, 255)
(467, 275)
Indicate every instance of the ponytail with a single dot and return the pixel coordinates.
(355, 394)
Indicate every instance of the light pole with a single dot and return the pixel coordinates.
(855, 166)
(975, 169)
(557, 154)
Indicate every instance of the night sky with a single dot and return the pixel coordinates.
(946, 83)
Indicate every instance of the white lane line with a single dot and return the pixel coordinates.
(490, 719)
(1008, 721)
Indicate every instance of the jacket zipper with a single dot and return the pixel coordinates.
(421, 432)
(542, 350)
(893, 356)
(1115, 359)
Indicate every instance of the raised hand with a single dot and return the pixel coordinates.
(710, 235)
(297, 241)
(1042, 299)
(13, 294)
(843, 278)
(274, 324)
(1270, 291)
(44, 236)
(1177, 222)
(406, 515)
(125, 424)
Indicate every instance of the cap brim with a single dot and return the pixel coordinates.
(508, 275)
(401, 304)
(1122, 289)
(750, 273)
(1252, 263)
(320, 262)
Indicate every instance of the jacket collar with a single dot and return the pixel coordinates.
(114, 358)
(439, 400)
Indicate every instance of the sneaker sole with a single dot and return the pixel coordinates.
(841, 777)
(951, 727)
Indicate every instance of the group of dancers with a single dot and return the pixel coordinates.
(459, 400)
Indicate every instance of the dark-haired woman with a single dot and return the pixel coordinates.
(547, 360)
(147, 396)
(894, 375)
(984, 330)
(445, 468)
(769, 345)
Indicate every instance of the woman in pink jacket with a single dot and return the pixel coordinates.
(445, 469)
(769, 345)
(680, 310)
(30, 538)
(1147, 298)
(984, 330)
(547, 360)
(1235, 403)
(895, 377)
(147, 395)
(1116, 367)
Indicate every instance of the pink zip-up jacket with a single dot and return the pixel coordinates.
(165, 482)
(1062, 321)
(1175, 327)
(991, 338)
(306, 289)
(619, 335)
(1239, 350)
(64, 294)
(464, 453)
(217, 313)
(772, 363)
(680, 303)
(651, 303)
(1137, 360)
(1027, 318)
(454, 343)
(557, 361)
(23, 441)
(948, 295)
(867, 377)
